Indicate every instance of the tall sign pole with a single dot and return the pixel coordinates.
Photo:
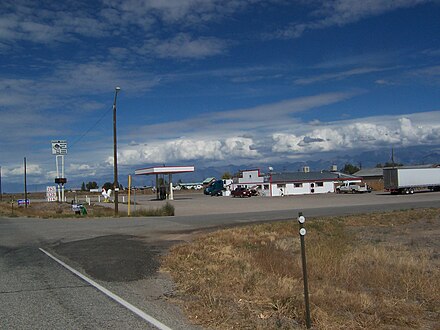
(115, 154)
(59, 149)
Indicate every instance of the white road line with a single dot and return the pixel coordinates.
(110, 294)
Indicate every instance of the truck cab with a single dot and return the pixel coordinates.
(215, 188)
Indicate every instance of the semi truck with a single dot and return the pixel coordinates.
(406, 180)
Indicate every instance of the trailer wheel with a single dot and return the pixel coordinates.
(411, 191)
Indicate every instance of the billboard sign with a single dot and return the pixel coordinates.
(59, 147)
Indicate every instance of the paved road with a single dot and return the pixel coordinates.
(36, 293)
(122, 255)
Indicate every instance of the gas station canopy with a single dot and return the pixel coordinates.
(170, 170)
(164, 170)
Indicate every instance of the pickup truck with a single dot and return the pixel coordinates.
(353, 187)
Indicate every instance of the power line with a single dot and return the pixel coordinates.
(92, 127)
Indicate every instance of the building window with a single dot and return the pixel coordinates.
(282, 185)
(266, 187)
(298, 185)
(320, 184)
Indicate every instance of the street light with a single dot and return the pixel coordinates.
(115, 154)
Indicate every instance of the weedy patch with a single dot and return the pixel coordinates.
(251, 277)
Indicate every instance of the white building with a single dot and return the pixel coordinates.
(294, 183)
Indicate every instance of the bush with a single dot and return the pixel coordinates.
(166, 210)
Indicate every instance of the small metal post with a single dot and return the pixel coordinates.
(302, 233)
(134, 202)
(1, 191)
(129, 189)
(25, 185)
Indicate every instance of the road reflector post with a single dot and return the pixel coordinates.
(302, 234)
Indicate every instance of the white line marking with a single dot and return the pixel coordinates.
(110, 294)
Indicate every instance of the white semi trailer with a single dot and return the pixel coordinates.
(406, 180)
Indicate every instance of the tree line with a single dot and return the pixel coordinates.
(94, 185)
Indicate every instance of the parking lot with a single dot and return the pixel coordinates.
(195, 203)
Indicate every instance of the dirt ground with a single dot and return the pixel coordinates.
(113, 258)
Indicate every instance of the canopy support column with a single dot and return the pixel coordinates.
(157, 187)
(170, 180)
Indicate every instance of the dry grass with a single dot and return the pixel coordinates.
(376, 271)
(64, 210)
(166, 210)
(51, 210)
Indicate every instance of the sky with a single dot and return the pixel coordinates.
(207, 82)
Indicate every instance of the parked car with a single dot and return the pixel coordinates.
(241, 192)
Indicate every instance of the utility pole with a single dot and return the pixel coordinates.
(115, 155)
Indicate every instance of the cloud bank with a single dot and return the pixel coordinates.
(296, 140)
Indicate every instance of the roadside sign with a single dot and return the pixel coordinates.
(51, 193)
(23, 202)
(77, 207)
(59, 147)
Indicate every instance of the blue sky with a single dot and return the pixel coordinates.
(213, 81)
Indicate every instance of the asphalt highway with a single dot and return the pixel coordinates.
(122, 254)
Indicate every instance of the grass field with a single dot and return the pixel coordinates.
(376, 271)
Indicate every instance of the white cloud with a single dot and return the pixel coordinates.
(363, 134)
(186, 12)
(18, 170)
(187, 149)
(338, 75)
(425, 75)
(49, 22)
(66, 21)
(343, 12)
(184, 46)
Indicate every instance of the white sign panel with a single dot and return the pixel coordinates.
(51, 193)
(59, 147)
